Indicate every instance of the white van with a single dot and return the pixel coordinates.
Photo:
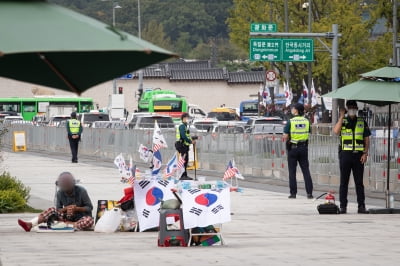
(195, 112)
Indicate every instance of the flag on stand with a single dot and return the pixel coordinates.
(145, 153)
(288, 94)
(230, 171)
(119, 162)
(305, 93)
(313, 95)
(157, 162)
(172, 166)
(238, 174)
(158, 139)
(131, 179)
(180, 166)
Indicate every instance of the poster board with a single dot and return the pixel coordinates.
(19, 141)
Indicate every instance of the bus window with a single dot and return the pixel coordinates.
(10, 107)
(28, 107)
(85, 107)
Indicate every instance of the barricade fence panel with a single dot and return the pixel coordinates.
(260, 155)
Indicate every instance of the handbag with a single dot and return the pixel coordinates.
(179, 146)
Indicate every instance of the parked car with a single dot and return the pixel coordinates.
(229, 129)
(55, 120)
(224, 114)
(87, 119)
(147, 122)
(266, 125)
(10, 118)
(203, 124)
(110, 124)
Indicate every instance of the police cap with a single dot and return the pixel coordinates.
(351, 103)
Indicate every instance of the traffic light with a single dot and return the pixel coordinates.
(120, 90)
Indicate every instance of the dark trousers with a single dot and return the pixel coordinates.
(300, 155)
(350, 162)
(73, 143)
(185, 152)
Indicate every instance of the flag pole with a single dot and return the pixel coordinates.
(195, 164)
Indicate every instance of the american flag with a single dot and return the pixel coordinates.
(181, 162)
(230, 171)
(131, 179)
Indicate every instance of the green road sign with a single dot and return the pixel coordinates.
(263, 27)
(265, 49)
(298, 50)
(288, 50)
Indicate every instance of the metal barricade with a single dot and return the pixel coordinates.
(260, 155)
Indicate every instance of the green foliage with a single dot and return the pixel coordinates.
(193, 22)
(154, 33)
(359, 50)
(8, 182)
(11, 200)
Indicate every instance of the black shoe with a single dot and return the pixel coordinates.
(343, 210)
(310, 196)
(363, 210)
(292, 196)
(74, 161)
(185, 177)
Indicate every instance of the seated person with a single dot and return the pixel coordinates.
(73, 206)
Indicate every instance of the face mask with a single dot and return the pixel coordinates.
(352, 112)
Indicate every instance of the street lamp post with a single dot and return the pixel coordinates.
(140, 72)
(115, 5)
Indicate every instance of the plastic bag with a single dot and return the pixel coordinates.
(109, 222)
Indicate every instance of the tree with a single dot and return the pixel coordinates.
(358, 52)
(200, 19)
(154, 33)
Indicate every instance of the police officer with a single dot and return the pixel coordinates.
(296, 133)
(74, 129)
(353, 153)
(184, 140)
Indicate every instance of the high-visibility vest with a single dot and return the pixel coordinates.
(299, 129)
(74, 126)
(178, 135)
(352, 140)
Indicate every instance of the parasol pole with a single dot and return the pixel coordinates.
(388, 163)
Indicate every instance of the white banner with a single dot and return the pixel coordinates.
(203, 207)
(148, 196)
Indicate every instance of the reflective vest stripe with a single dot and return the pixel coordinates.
(74, 126)
(299, 129)
(353, 141)
(178, 135)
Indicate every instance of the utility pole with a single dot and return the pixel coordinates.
(309, 64)
(335, 70)
(395, 55)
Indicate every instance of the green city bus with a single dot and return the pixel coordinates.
(39, 105)
(173, 107)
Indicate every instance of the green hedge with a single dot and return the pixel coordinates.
(8, 182)
(11, 201)
(13, 194)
